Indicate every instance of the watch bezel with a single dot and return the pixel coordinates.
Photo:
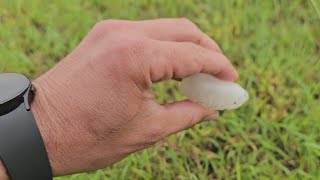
(12, 103)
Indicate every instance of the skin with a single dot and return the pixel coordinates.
(94, 107)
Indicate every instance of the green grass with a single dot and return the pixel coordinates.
(275, 45)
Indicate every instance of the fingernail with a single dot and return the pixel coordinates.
(212, 116)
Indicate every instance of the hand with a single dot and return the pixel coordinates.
(3, 174)
(93, 108)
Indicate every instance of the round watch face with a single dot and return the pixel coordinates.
(12, 86)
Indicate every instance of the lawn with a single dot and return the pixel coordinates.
(275, 45)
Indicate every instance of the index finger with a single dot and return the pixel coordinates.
(179, 30)
(174, 60)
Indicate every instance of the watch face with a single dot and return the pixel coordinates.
(12, 86)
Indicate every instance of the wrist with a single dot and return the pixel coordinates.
(58, 131)
(3, 172)
(42, 117)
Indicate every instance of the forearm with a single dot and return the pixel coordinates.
(3, 174)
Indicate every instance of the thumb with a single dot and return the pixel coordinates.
(185, 114)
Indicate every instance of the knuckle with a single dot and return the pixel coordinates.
(187, 22)
(107, 25)
(155, 134)
(147, 139)
(198, 63)
(215, 44)
(199, 55)
(195, 57)
(172, 53)
(111, 21)
(205, 40)
(137, 46)
(216, 47)
(193, 119)
(224, 64)
(200, 38)
(130, 53)
(130, 47)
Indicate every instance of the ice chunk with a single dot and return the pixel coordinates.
(214, 93)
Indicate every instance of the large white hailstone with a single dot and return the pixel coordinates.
(214, 93)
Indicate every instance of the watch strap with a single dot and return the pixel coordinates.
(21, 146)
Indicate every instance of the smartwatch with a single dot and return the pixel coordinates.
(22, 149)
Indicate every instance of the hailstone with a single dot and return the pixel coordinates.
(213, 93)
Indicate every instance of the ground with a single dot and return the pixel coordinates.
(275, 45)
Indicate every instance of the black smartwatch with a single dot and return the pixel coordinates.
(22, 149)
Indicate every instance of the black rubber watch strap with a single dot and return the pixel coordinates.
(21, 147)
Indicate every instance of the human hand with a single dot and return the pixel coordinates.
(93, 108)
(3, 172)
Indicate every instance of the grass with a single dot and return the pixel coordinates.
(274, 44)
